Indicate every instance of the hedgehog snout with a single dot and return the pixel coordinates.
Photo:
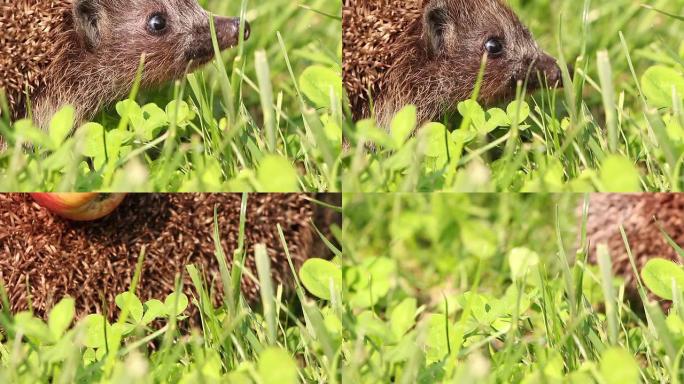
(228, 31)
(547, 66)
(542, 70)
(201, 50)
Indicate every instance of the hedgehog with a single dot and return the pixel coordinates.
(86, 53)
(429, 52)
(642, 216)
(44, 258)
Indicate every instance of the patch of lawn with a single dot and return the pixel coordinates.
(615, 127)
(287, 337)
(490, 288)
(266, 117)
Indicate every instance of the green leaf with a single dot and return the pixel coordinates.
(153, 309)
(61, 125)
(131, 109)
(675, 131)
(403, 124)
(658, 83)
(333, 131)
(619, 175)
(94, 139)
(211, 174)
(276, 366)
(276, 174)
(33, 327)
(479, 239)
(675, 323)
(95, 334)
(403, 317)
(659, 275)
(463, 136)
(128, 301)
(27, 132)
(316, 82)
(438, 344)
(403, 158)
(170, 304)
(61, 157)
(439, 143)
(332, 322)
(316, 276)
(60, 317)
(497, 118)
(185, 114)
(471, 109)
(369, 324)
(521, 261)
(373, 280)
(60, 351)
(237, 377)
(115, 139)
(369, 131)
(513, 112)
(619, 367)
(155, 119)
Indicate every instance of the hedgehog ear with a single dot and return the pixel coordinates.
(435, 20)
(87, 21)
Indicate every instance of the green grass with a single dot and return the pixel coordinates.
(266, 117)
(618, 127)
(489, 289)
(279, 340)
(482, 288)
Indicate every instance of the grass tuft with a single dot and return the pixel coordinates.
(252, 120)
(277, 341)
(520, 308)
(615, 127)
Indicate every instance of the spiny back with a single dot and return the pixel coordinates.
(28, 44)
(370, 28)
(640, 215)
(52, 257)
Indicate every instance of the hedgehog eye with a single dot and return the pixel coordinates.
(494, 47)
(156, 24)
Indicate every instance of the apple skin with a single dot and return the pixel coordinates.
(79, 206)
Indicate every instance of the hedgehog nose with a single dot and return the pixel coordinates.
(228, 31)
(548, 67)
(248, 30)
(555, 77)
(235, 27)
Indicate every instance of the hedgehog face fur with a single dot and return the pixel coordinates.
(173, 34)
(86, 52)
(433, 59)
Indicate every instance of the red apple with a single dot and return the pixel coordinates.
(80, 206)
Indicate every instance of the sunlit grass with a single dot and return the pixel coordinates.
(286, 337)
(265, 117)
(616, 125)
(496, 288)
